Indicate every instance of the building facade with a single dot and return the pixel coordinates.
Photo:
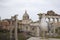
(28, 25)
(53, 20)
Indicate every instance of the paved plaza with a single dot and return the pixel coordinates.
(38, 38)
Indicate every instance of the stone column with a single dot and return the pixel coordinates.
(40, 19)
(11, 29)
(16, 36)
(49, 19)
(57, 19)
(49, 25)
(53, 19)
(53, 29)
(38, 32)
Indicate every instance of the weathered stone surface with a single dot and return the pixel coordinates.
(39, 38)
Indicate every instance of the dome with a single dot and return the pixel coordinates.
(25, 16)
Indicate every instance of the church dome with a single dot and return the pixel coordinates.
(25, 16)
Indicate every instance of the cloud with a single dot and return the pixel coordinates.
(11, 7)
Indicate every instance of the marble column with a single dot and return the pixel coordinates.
(53, 19)
(38, 32)
(40, 18)
(50, 29)
(49, 19)
(54, 31)
(54, 27)
(16, 36)
(11, 29)
(57, 19)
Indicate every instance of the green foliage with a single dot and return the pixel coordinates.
(6, 36)
(4, 30)
(21, 36)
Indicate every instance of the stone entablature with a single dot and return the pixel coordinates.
(50, 15)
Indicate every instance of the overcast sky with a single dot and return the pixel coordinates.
(9, 8)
